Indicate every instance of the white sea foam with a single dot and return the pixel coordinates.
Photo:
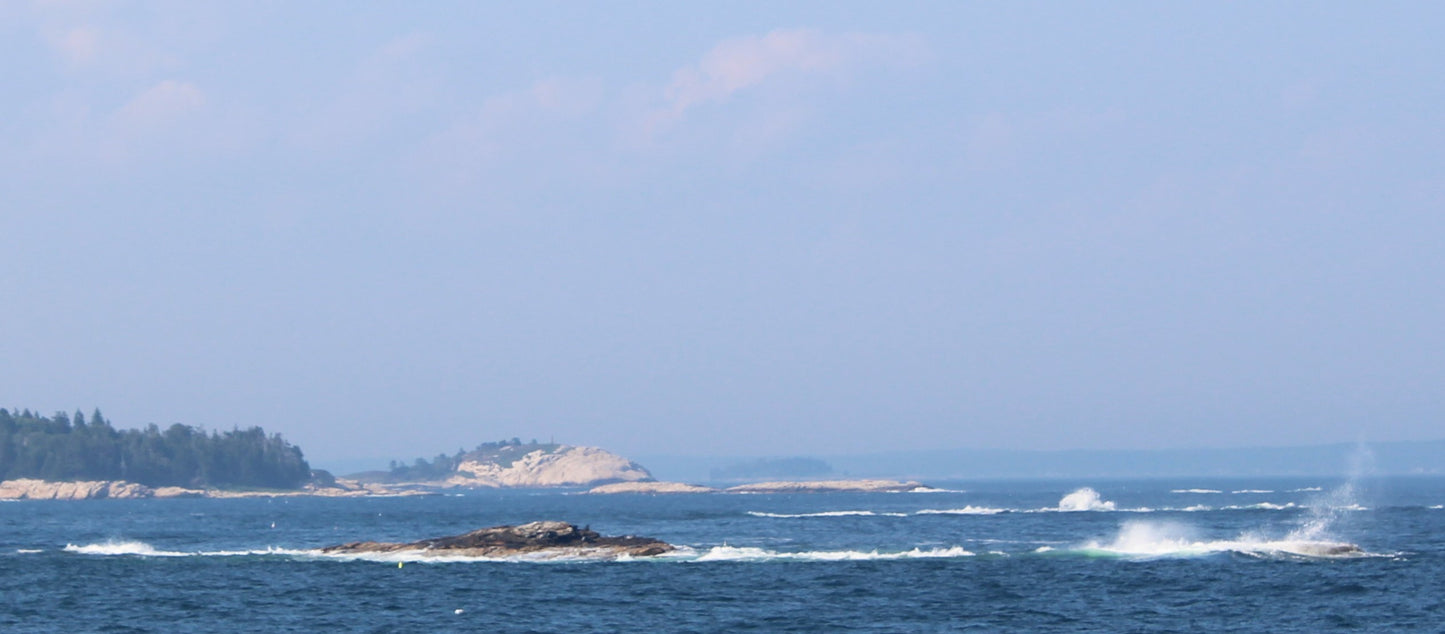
(1085, 499)
(142, 549)
(967, 510)
(750, 553)
(1252, 491)
(1141, 539)
(827, 514)
(554, 555)
(1307, 490)
(1262, 506)
(116, 547)
(28, 551)
(1196, 491)
(928, 489)
(1437, 507)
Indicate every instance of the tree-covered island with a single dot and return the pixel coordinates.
(67, 447)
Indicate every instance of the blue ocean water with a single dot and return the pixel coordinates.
(1262, 555)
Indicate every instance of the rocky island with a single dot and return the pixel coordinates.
(543, 539)
(514, 464)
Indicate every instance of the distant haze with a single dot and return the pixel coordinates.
(748, 229)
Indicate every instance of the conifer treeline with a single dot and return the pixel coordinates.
(70, 447)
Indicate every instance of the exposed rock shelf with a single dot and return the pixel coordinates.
(553, 539)
(29, 489)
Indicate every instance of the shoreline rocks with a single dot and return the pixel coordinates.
(32, 489)
(549, 538)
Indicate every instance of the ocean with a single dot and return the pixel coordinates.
(1184, 555)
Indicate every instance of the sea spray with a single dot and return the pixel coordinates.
(1085, 499)
(1150, 538)
(1325, 512)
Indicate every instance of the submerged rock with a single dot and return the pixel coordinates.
(547, 538)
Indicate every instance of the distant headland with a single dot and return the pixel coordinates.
(79, 457)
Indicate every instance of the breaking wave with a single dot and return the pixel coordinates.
(749, 553)
(1085, 499)
(122, 548)
(1261, 506)
(1150, 540)
(1196, 491)
(141, 549)
(827, 514)
(967, 510)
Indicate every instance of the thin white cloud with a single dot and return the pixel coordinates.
(739, 64)
(162, 103)
(514, 124)
(79, 46)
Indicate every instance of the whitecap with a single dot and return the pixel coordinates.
(1307, 490)
(967, 510)
(1196, 491)
(1251, 491)
(28, 551)
(752, 553)
(121, 548)
(1262, 506)
(553, 555)
(1085, 499)
(826, 514)
(1437, 507)
(1169, 539)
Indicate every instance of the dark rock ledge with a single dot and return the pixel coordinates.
(544, 538)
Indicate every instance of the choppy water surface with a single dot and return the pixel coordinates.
(1269, 555)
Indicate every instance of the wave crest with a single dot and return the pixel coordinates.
(1085, 499)
(1148, 540)
(750, 553)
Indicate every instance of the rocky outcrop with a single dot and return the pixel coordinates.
(564, 466)
(828, 486)
(27, 489)
(543, 539)
(652, 488)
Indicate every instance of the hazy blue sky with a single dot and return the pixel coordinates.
(393, 229)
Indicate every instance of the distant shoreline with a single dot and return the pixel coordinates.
(32, 489)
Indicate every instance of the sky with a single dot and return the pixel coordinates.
(394, 229)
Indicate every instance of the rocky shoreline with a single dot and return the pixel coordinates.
(29, 489)
(545, 539)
